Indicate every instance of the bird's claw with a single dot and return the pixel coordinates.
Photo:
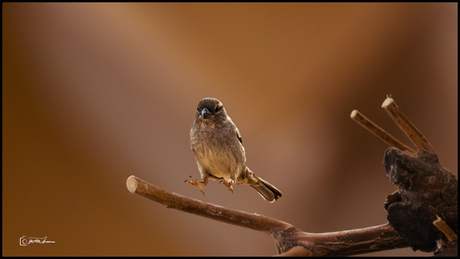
(194, 182)
(228, 183)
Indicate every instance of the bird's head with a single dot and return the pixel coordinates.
(211, 111)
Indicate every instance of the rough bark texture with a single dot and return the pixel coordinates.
(426, 190)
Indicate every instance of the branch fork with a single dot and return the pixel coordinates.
(424, 209)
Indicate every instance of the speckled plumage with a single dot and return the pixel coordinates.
(218, 149)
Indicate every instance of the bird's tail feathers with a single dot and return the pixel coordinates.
(269, 192)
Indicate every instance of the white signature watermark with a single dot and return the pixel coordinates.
(25, 241)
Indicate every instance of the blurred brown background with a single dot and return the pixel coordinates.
(93, 93)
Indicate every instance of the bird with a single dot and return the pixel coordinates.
(218, 149)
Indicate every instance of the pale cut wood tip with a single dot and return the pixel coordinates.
(131, 184)
(388, 101)
(353, 114)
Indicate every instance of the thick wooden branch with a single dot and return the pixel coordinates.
(288, 239)
(350, 242)
(231, 216)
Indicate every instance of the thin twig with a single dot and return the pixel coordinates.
(407, 127)
(377, 131)
(444, 228)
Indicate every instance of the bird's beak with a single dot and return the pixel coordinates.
(205, 113)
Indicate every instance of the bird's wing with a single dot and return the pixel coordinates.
(238, 135)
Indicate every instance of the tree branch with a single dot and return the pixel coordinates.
(422, 144)
(179, 202)
(377, 131)
(285, 235)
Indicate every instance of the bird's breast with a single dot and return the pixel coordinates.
(219, 154)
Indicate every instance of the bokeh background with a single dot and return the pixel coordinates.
(94, 93)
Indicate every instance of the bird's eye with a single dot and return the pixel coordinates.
(218, 108)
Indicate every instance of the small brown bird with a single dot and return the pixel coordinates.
(219, 152)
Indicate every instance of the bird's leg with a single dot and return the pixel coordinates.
(227, 183)
(197, 183)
